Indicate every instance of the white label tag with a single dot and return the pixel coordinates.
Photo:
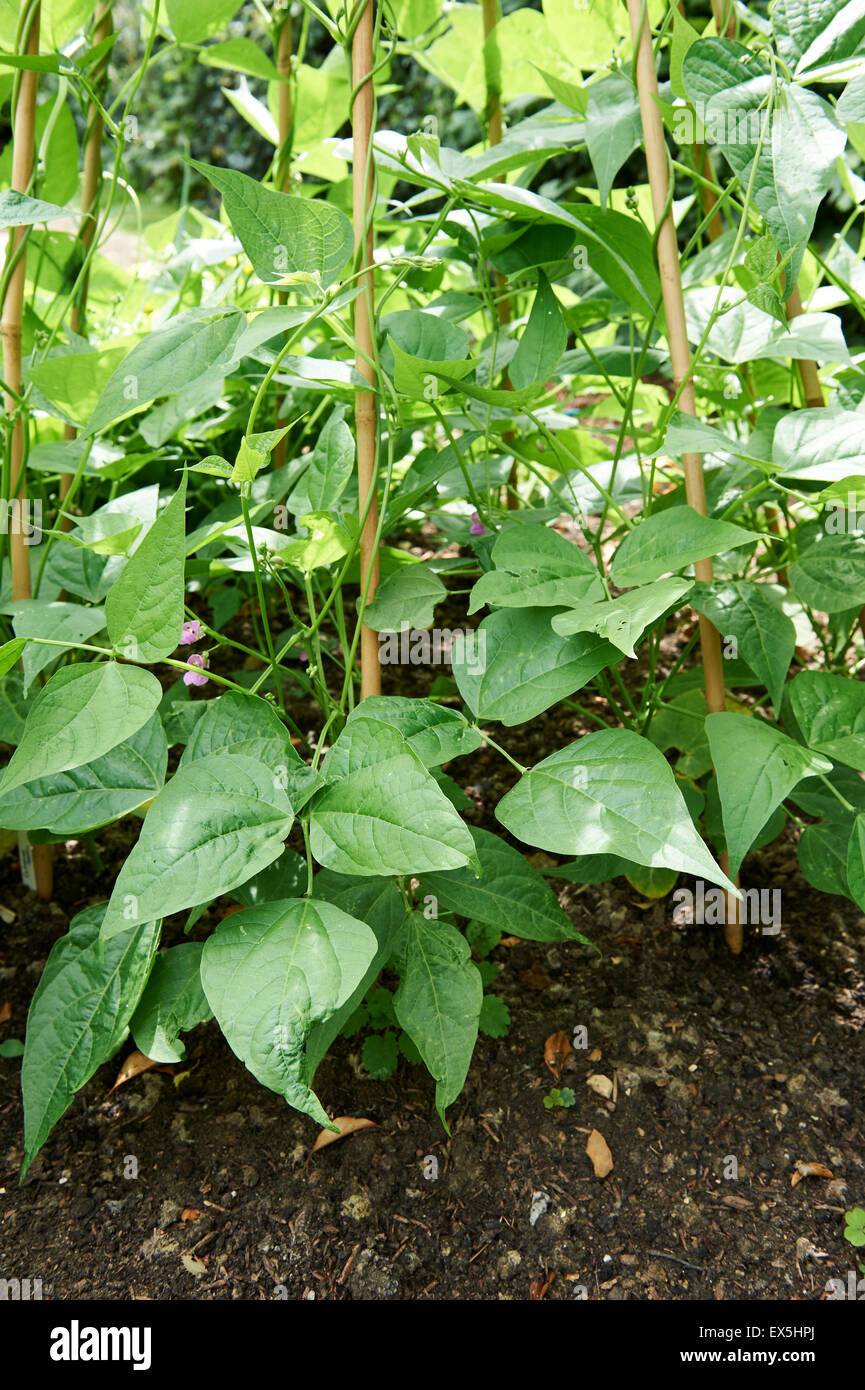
(25, 857)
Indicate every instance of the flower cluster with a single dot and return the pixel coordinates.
(191, 632)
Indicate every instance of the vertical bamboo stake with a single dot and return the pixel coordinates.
(90, 188)
(283, 173)
(492, 75)
(363, 189)
(808, 375)
(680, 355)
(10, 330)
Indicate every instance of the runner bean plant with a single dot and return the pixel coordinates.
(592, 381)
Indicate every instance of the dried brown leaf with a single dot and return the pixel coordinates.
(598, 1151)
(346, 1124)
(556, 1049)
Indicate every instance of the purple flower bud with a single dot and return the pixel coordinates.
(191, 633)
(476, 528)
(196, 677)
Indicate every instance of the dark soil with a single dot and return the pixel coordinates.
(759, 1058)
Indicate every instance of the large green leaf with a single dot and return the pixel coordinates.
(814, 34)
(18, 210)
(515, 666)
(192, 23)
(270, 973)
(238, 723)
(535, 568)
(173, 1002)
(766, 637)
(438, 1003)
(544, 339)
(830, 711)
(830, 574)
(434, 732)
(83, 712)
(757, 767)
(167, 361)
(609, 793)
(823, 445)
(330, 470)
(613, 126)
(144, 609)
(670, 540)
(383, 813)
(822, 852)
(623, 621)
(283, 235)
(81, 798)
(79, 1016)
(801, 138)
(406, 599)
(214, 824)
(856, 862)
(509, 890)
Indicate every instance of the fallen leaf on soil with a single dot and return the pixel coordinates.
(601, 1085)
(538, 1287)
(806, 1251)
(5, 1011)
(737, 1203)
(346, 1125)
(535, 978)
(556, 1049)
(190, 1214)
(595, 1055)
(810, 1170)
(598, 1151)
(511, 941)
(193, 1266)
(135, 1064)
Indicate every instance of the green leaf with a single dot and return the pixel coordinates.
(406, 599)
(830, 575)
(217, 822)
(766, 637)
(830, 711)
(330, 470)
(284, 236)
(536, 568)
(822, 852)
(82, 798)
(173, 1002)
(199, 21)
(438, 1003)
(544, 339)
(69, 623)
(247, 724)
(609, 793)
(856, 862)
(239, 55)
(144, 609)
(434, 732)
(326, 542)
(18, 210)
(670, 540)
(495, 1017)
(623, 621)
(270, 973)
(801, 138)
(380, 1055)
(11, 1047)
(79, 1016)
(167, 361)
(10, 652)
(385, 814)
(821, 445)
(757, 767)
(515, 666)
(84, 711)
(508, 891)
(613, 126)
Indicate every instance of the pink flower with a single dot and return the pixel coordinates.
(191, 633)
(476, 528)
(196, 677)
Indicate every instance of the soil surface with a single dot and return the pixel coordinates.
(200, 1185)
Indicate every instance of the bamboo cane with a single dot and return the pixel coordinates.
(680, 355)
(283, 174)
(90, 189)
(10, 330)
(492, 77)
(363, 191)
